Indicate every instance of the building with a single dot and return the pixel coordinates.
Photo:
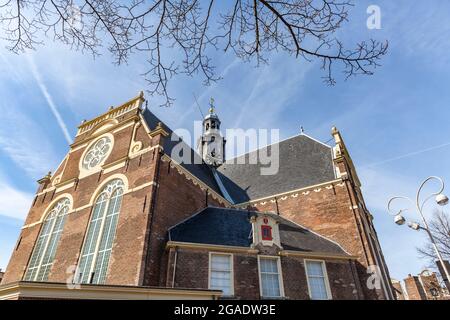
(397, 289)
(123, 216)
(424, 286)
(1, 275)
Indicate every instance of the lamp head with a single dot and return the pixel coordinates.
(399, 219)
(441, 199)
(414, 225)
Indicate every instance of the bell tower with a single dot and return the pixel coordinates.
(211, 144)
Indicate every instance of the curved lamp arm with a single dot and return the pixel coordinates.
(392, 212)
(420, 206)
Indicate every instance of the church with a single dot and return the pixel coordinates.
(122, 217)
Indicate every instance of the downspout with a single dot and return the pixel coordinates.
(174, 267)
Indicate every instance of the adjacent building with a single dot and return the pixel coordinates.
(133, 212)
(424, 286)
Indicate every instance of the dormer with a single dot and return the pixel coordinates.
(265, 230)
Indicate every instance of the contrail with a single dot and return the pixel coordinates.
(407, 155)
(49, 98)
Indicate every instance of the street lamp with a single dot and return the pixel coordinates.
(440, 199)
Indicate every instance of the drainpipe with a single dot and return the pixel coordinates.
(174, 267)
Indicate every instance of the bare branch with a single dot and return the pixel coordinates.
(178, 36)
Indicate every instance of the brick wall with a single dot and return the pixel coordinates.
(192, 271)
(133, 218)
(177, 199)
(414, 288)
(329, 211)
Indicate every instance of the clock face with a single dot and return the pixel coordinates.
(214, 152)
(97, 153)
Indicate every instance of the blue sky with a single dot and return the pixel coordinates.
(395, 123)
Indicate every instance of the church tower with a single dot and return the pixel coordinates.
(211, 144)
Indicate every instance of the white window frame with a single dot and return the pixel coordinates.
(325, 274)
(280, 276)
(231, 272)
(103, 190)
(84, 172)
(45, 249)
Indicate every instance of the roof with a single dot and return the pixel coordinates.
(196, 166)
(232, 227)
(303, 162)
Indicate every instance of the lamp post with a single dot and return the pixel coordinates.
(440, 199)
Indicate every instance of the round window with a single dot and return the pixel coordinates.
(97, 153)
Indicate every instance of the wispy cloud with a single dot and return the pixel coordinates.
(22, 140)
(14, 203)
(406, 155)
(48, 97)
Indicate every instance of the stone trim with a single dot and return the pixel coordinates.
(292, 193)
(127, 191)
(48, 290)
(322, 255)
(214, 247)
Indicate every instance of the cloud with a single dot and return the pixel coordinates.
(398, 243)
(48, 97)
(406, 155)
(14, 203)
(24, 142)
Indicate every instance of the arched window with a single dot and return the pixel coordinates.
(100, 235)
(45, 247)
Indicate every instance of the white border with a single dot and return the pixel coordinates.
(280, 276)
(87, 172)
(232, 271)
(325, 273)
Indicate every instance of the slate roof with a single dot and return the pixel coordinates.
(303, 162)
(232, 227)
(197, 168)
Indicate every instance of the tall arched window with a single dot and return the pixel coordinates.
(100, 235)
(45, 247)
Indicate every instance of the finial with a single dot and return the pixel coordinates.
(302, 130)
(211, 105)
(49, 174)
(334, 130)
(141, 94)
(111, 107)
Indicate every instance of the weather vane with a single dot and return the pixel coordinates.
(211, 105)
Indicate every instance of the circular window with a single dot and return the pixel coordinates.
(97, 153)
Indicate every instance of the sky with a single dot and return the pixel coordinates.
(394, 123)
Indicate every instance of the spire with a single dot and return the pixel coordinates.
(212, 145)
(211, 105)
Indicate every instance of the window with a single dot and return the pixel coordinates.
(317, 280)
(266, 232)
(221, 273)
(100, 235)
(45, 247)
(270, 277)
(97, 153)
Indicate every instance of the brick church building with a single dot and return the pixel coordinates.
(122, 218)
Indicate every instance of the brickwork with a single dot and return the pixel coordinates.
(192, 271)
(131, 227)
(414, 288)
(160, 194)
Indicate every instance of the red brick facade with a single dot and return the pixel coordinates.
(160, 194)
